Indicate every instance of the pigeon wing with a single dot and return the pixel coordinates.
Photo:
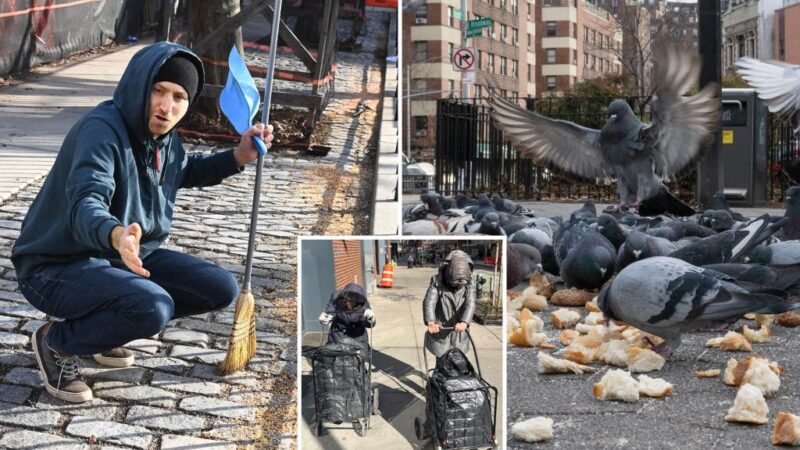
(777, 84)
(681, 125)
(560, 143)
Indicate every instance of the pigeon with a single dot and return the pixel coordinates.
(547, 225)
(531, 236)
(506, 205)
(523, 261)
(587, 212)
(489, 224)
(462, 200)
(791, 229)
(778, 84)
(425, 227)
(589, 263)
(483, 206)
(666, 296)
(640, 246)
(512, 223)
(721, 203)
(637, 154)
(784, 253)
(729, 246)
(675, 230)
(784, 278)
(549, 262)
(611, 229)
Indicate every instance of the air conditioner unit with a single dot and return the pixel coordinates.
(421, 20)
(422, 133)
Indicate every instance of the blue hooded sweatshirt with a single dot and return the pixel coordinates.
(106, 175)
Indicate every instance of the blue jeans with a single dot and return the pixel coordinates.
(104, 305)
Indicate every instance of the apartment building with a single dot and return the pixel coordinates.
(575, 40)
(787, 33)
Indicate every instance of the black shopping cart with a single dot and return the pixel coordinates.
(460, 406)
(343, 391)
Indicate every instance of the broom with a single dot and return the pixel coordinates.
(242, 345)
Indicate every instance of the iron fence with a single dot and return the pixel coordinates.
(473, 156)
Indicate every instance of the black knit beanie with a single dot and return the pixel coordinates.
(181, 70)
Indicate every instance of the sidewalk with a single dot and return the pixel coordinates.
(397, 354)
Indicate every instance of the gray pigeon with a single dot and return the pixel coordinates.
(640, 246)
(523, 261)
(666, 296)
(612, 230)
(531, 236)
(791, 229)
(778, 84)
(589, 263)
(635, 153)
(784, 253)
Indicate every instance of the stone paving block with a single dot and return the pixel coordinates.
(164, 419)
(16, 358)
(208, 356)
(12, 297)
(175, 442)
(13, 339)
(186, 337)
(20, 310)
(110, 432)
(149, 346)
(24, 376)
(14, 394)
(131, 393)
(96, 407)
(219, 408)
(28, 417)
(25, 439)
(8, 323)
(133, 375)
(209, 327)
(242, 378)
(32, 325)
(184, 384)
(165, 363)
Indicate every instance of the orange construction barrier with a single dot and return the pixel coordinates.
(383, 3)
(387, 276)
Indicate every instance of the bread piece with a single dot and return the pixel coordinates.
(644, 360)
(542, 285)
(567, 336)
(789, 319)
(750, 316)
(757, 371)
(580, 354)
(592, 306)
(764, 334)
(571, 297)
(529, 334)
(731, 342)
(532, 300)
(549, 364)
(614, 352)
(533, 430)
(749, 406)
(564, 318)
(514, 306)
(616, 384)
(765, 320)
(511, 324)
(711, 373)
(787, 429)
(654, 387)
(595, 318)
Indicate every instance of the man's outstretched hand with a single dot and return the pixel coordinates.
(126, 240)
(246, 151)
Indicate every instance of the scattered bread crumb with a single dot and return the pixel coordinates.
(755, 370)
(787, 429)
(542, 285)
(592, 306)
(532, 300)
(644, 360)
(765, 320)
(711, 373)
(764, 334)
(749, 406)
(616, 384)
(750, 316)
(654, 387)
(731, 342)
(567, 336)
(595, 318)
(580, 354)
(530, 332)
(571, 297)
(614, 352)
(564, 318)
(511, 324)
(789, 319)
(549, 364)
(533, 430)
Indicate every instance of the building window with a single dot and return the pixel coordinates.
(530, 74)
(608, 41)
(594, 36)
(503, 68)
(551, 55)
(585, 59)
(503, 3)
(574, 57)
(551, 29)
(421, 48)
(551, 83)
(452, 86)
(514, 68)
(503, 32)
(601, 40)
(514, 36)
(594, 62)
(514, 7)
(530, 7)
(422, 14)
(530, 41)
(421, 123)
(575, 30)
(490, 67)
(451, 20)
(451, 48)
(480, 60)
(478, 91)
(585, 33)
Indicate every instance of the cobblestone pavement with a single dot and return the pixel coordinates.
(172, 398)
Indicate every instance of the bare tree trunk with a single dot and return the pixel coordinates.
(204, 17)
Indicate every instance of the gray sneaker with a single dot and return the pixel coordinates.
(60, 373)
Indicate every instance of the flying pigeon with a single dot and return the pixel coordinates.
(635, 153)
(666, 296)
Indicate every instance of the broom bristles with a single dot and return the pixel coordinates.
(242, 345)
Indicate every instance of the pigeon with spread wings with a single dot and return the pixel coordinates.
(638, 155)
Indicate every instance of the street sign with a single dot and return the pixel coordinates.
(477, 24)
(457, 14)
(469, 76)
(474, 32)
(464, 59)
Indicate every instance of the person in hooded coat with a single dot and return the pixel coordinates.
(349, 315)
(88, 251)
(449, 302)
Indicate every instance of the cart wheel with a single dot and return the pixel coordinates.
(418, 429)
(359, 428)
(375, 402)
(319, 428)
